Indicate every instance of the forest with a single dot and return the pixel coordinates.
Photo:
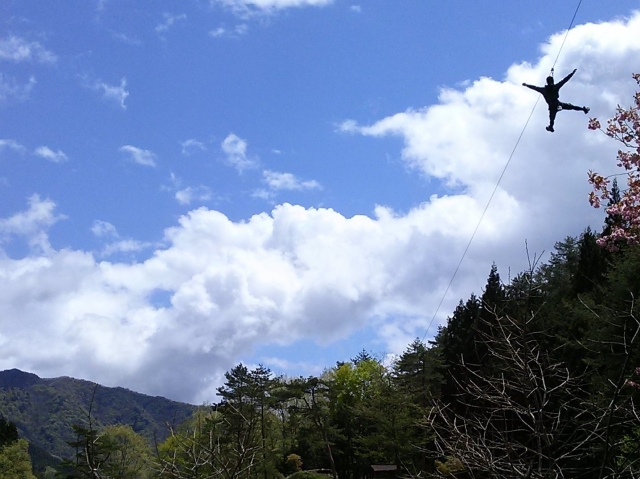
(536, 377)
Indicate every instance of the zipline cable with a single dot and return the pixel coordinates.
(473, 235)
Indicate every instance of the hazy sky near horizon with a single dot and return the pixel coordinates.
(187, 185)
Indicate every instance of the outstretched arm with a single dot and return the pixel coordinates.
(539, 89)
(565, 79)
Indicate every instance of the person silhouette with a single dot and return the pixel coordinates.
(551, 94)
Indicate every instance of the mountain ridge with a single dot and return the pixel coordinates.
(45, 409)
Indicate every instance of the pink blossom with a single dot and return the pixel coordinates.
(624, 127)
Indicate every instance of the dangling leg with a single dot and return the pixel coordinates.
(553, 110)
(569, 106)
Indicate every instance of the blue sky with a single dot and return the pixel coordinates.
(187, 185)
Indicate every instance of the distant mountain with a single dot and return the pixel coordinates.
(44, 410)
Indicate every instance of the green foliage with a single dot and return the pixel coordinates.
(293, 464)
(14, 461)
(540, 374)
(307, 475)
(450, 466)
(45, 410)
(129, 453)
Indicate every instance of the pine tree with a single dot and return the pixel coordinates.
(592, 265)
(8, 432)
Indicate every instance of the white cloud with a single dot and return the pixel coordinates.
(104, 228)
(356, 8)
(251, 7)
(32, 224)
(125, 246)
(140, 156)
(277, 181)
(306, 273)
(236, 150)
(111, 92)
(193, 193)
(292, 274)
(287, 181)
(188, 195)
(218, 32)
(169, 20)
(17, 49)
(48, 154)
(191, 146)
(9, 88)
(264, 194)
(238, 30)
(7, 143)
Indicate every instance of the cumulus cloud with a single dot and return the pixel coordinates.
(216, 288)
(275, 278)
(32, 224)
(252, 7)
(112, 92)
(140, 156)
(48, 154)
(169, 20)
(17, 49)
(235, 149)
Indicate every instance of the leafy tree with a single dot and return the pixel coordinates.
(129, 453)
(115, 453)
(191, 451)
(14, 460)
(624, 127)
(293, 464)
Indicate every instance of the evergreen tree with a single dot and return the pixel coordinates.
(592, 264)
(260, 384)
(419, 375)
(613, 220)
(312, 402)
(362, 356)
(240, 423)
(8, 432)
